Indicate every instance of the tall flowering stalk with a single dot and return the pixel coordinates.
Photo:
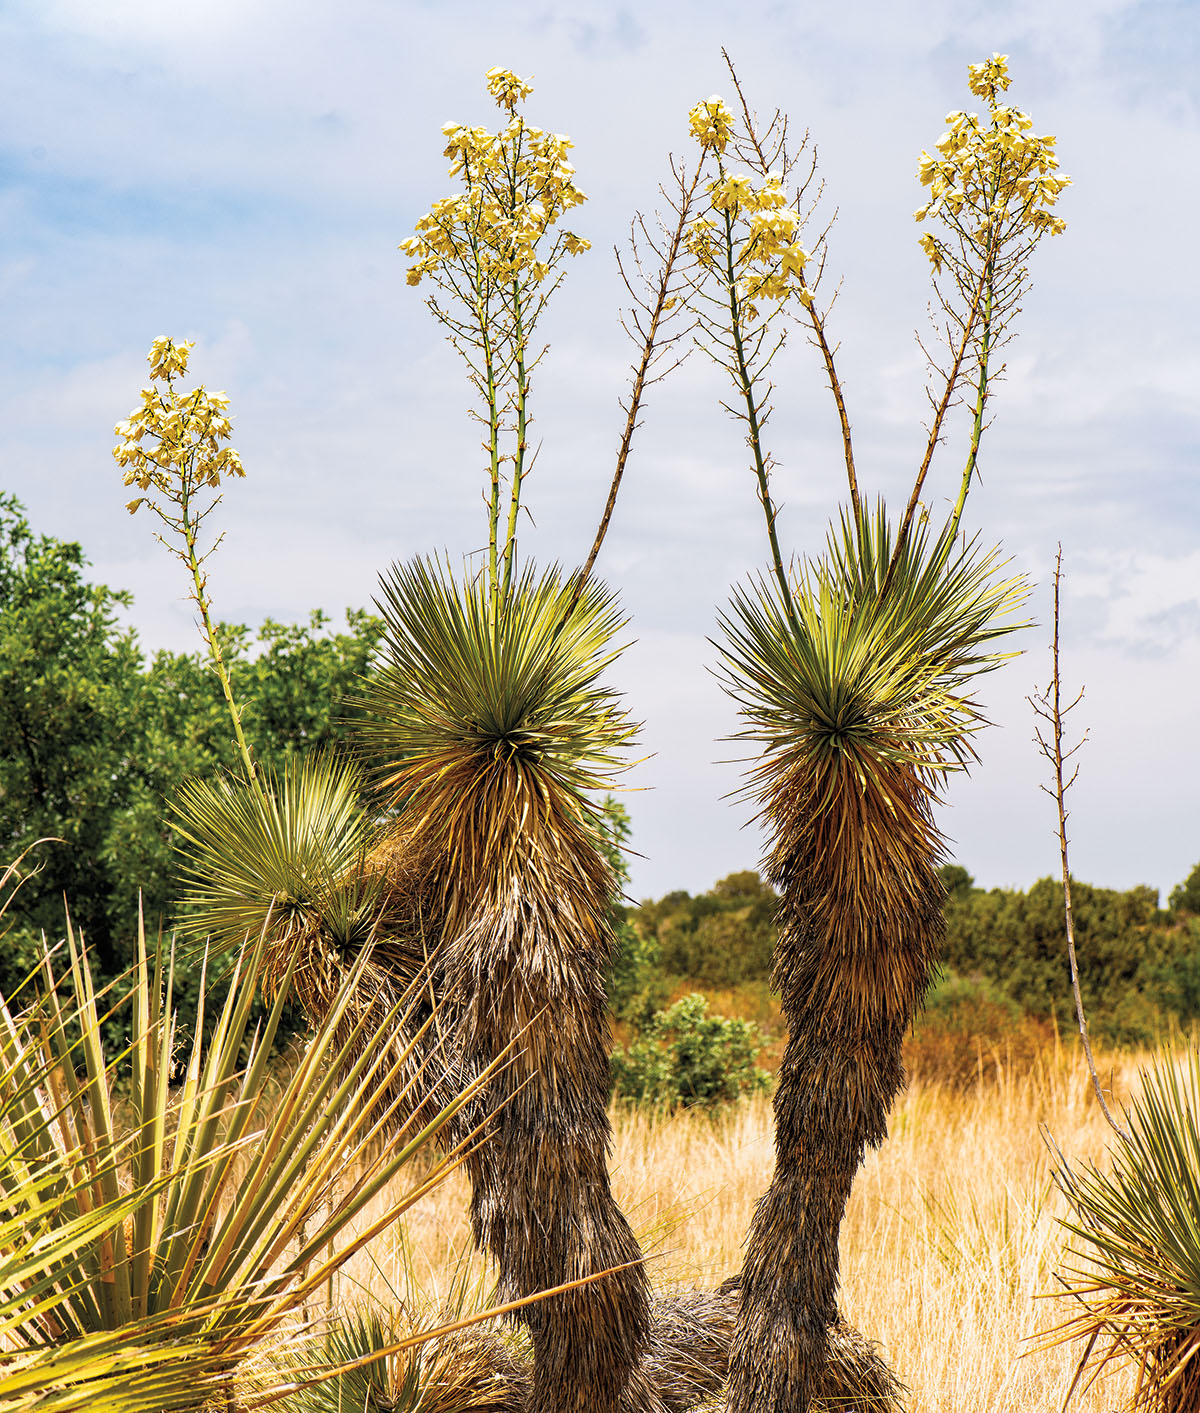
(993, 185)
(749, 261)
(497, 730)
(173, 450)
(852, 670)
(495, 254)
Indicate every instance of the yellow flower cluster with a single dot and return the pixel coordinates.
(517, 183)
(711, 124)
(172, 442)
(989, 78)
(990, 179)
(169, 359)
(506, 88)
(769, 259)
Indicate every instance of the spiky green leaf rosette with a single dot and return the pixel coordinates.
(861, 701)
(288, 848)
(491, 710)
(1135, 1256)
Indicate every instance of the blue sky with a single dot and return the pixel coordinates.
(240, 172)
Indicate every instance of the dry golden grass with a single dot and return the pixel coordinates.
(949, 1240)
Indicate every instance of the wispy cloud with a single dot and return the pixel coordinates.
(241, 173)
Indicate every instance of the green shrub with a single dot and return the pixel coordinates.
(719, 938)
(636, 986)
(968, 1026)
(1137, 965)
(685, 1056)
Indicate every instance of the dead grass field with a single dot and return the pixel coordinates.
(949, 1242)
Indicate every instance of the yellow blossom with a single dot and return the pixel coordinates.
(793, 259)
(711, 123)
(730, 193)
(698, 240)
(992, 178)
(171, 443)
(987, 79)
(506, 88)
(517, 183)
(929, 244)
(168, 359)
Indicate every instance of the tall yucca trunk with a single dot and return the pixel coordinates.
(858, 941)
(492, 714)
(856, 688)
(528, 959)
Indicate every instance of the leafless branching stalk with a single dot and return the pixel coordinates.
(1049, 708)
(655, 302)
(765, 150)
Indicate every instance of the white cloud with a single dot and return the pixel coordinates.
(243, 173)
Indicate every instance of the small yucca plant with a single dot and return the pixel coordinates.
(1135, 1255)
(192, 1227)
(468, 1371)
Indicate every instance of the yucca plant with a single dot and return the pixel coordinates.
(1134, 1263)
(489, 707)
(468, 1371)
(145, 1366)
(224, 1203)
(859, 701)
(51, 1218)
(852, 672)
(488, 885)
(497, 727)
(290, 859)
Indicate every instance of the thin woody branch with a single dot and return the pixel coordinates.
(661, 308)
(1049, 708)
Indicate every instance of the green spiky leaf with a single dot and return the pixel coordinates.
(490, 711)
(1134, 1263)
(285, 847)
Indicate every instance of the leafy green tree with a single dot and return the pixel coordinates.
(1185, 896)
(719, 938)
(956, 880)
(96, 741)
(69, 743)
(633, 983)
(1017, 939)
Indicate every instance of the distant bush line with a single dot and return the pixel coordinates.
(1005, 952)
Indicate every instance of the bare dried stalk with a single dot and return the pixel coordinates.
(1049, 708)
(815, 319)
(658, 307)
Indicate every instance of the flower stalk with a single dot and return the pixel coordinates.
(172, 450)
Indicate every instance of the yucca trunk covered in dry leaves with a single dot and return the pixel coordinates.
(856, 695)
(529, 957)
(495, 723)
(848, 993)
(852, 671)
